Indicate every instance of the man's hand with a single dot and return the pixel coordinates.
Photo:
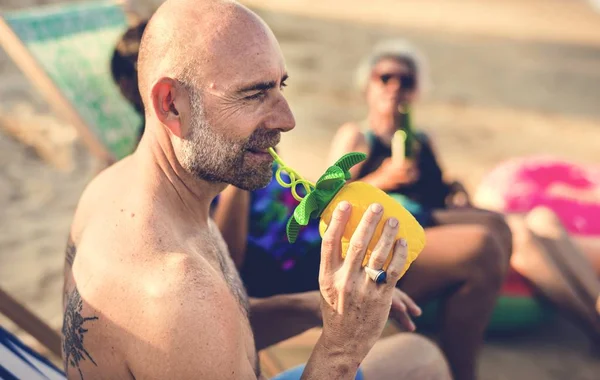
(403, 307)
(355, 308)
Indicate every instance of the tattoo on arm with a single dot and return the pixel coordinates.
(73, 330)
(70, 252)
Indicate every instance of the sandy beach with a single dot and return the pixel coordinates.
(510, 78)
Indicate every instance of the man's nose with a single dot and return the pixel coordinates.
(282, 118)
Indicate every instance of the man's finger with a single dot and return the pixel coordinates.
(359, 242)
(396, 267)
(384, 246)
(331, 256)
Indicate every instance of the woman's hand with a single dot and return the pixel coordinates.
(403, 307)
(458, 197)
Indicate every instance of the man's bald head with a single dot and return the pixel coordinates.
(211, 76)
(183, 36)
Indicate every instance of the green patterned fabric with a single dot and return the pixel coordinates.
(74, 43)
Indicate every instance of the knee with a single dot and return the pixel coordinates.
(544, 221)
(543, 215)
(432, 364)
(498, 225)
(490, 264)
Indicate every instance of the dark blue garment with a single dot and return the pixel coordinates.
(420, 198)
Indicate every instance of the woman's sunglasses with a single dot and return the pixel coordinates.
(407, 81)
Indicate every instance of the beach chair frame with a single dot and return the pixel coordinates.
(38, 77)
(29, 322)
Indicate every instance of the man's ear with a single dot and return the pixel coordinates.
(164, 93)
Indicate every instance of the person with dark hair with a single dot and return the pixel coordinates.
(123, 67)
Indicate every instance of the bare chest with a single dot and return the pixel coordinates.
(232, 278)
(217, 253)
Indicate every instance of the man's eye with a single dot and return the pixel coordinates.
(282, 85)
(258, 95)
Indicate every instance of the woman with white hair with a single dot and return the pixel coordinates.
(464, 264)
(391, 79)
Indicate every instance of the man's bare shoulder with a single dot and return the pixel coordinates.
(186, 313)
(177, 285)
(158, 316)
(117, 217)
(165, 307)
(98, 194)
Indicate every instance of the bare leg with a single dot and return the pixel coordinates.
(556, 268)
(547, 259)
(405, 356)
(590, 246)
(495, 222)
(547, 227)
(465, 265)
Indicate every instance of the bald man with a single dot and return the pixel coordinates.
(150, 290)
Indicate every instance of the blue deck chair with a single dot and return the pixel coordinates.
(18, 361)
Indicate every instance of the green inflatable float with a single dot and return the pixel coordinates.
(517, 309)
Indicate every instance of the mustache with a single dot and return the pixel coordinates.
(263, 139)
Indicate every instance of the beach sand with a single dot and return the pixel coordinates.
(515, 85)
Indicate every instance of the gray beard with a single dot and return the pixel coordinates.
(212, 157)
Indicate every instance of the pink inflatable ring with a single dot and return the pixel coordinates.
(520, 185)
(572, 191)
